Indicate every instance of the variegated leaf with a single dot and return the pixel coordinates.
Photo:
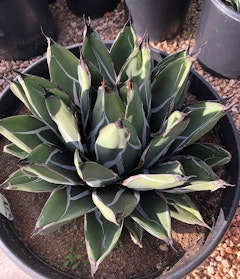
(64, 204)
(135, 231)
(159, 145)
(101, 237)
(96, 175)
(135, 114)
(203, 117)
(27, 132)
(126, 39)
(108, 108)
(212, 154)
(95, 51)
(166, 89)
(122, 151)
(66, 122)
(169, 167)
(115, 203)
(15, 151)
(146, 182)
(22, 181)
(63, 66)
(138, 68)
(184, 209)
(155, 219)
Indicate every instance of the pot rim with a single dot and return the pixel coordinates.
(41, 270)
(225, 9)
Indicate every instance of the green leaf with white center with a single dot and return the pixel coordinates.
(166, 88)
(66, 122)
(27, 132)
(212, 154)
(135, 114)
(135, 231)
(108, 108)
(155, 219)
(122, 151)
(115, 203)
(22, 181)
(96, 52)
(146, 182)
(84, 78)
(159, 145)
(96, 175)
(126, 39)
(203, 117)
(183, 209)
(63, 66)
(101, 236)
(15, 151)
(138, 68)
(63, 205)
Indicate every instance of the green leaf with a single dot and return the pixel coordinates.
(122, 151)
(146, 182)
(101, 236)
(15, 151)
(21, 181)
(155, 219)
(183, 209)
(96, 52)
(27, 132)
(166, 88)
(115, 203)
(168, 167)
(63, 67)
(212, 154)
(96, 175)
(135, 231)
(159, 145)
(64, 205)
(126, 40)
(138, 69)
(66, 122)
(203, 117)
(135, 114)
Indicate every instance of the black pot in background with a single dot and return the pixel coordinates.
(161, 19)
(229, 138)
(22, 24)
(218, 38)
(91, 8)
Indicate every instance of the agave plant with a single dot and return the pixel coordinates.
(111, 138)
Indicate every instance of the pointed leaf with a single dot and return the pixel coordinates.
(155, 219)
(169, 167)
(63, 205)
(101, 237)
(183, 209)
(146, 182)
(135, 231)
(66, 122)
(15, 151)
(115, 203)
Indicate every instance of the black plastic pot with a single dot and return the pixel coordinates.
(22, 24)
(39, 269)
(91, 8)
(218, 37)
(161, 19)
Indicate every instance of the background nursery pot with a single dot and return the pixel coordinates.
(22, 24)
(37, 268)
(217, 38)
(159, 18)
(92, 8)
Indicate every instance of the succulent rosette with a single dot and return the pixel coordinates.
(110, 137)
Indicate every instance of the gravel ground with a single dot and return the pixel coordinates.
(224, 262)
